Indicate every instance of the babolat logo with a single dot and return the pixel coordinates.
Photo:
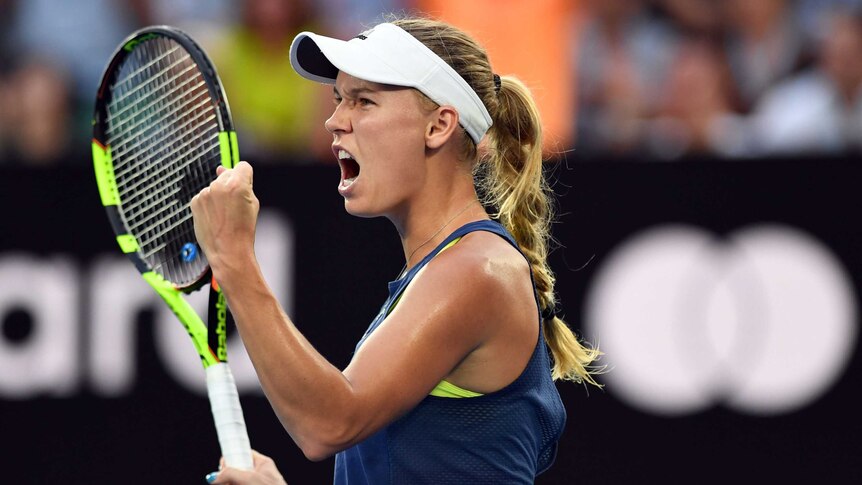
(221, 327)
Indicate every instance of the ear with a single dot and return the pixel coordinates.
(442, 125)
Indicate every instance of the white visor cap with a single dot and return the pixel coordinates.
(387, 54)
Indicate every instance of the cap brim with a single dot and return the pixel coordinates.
(387, 54)
(320, 58)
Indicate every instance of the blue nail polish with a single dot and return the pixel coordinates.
(211, 477)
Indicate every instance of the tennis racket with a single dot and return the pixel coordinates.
(161, 127)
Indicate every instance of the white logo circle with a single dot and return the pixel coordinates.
(763, 322)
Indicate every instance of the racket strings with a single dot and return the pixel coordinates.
(159, 83)
(142, 120)
(145, 143)
(136, 72)
(172, 165)
(164, 186)
(163, 129)
(129, 165)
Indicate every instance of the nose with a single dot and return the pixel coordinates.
(339, 121)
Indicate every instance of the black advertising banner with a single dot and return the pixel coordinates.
(725, 295)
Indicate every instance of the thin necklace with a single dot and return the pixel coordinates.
(435, 234)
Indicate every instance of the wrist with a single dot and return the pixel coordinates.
(226, 270)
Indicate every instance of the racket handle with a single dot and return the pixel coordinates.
(230, 425)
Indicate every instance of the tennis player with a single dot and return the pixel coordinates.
(453, 381)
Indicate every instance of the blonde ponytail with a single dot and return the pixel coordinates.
(509, 178)
(514, 183)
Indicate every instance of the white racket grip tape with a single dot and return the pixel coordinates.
(230, 425)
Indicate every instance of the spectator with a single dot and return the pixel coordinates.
(700, 17)
(38, 114)
(820, 110)
(696, 111)
(363, 13)
(624, 55)
(764, 44)
(78, 37)
(204, 20)
(811, 14)
(276, 112)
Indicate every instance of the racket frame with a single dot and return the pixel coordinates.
(104, 170)
(211, 346)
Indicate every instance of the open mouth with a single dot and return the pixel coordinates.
(349, 168)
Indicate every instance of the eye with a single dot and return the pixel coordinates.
(336, 100)
(365, 102)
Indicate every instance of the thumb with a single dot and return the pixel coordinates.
(220, 170)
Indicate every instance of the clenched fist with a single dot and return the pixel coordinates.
(225, 217)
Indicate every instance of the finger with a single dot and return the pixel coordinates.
(229, 475)
(259, 459)
(223, 175)
(247, 172)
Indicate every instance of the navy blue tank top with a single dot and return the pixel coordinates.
(507, 436)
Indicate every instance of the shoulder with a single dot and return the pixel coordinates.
(482, 270)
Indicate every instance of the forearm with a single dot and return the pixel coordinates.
(314, 401)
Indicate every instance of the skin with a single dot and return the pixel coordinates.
(469, 317)
(264, 473)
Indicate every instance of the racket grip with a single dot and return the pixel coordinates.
(227, 413)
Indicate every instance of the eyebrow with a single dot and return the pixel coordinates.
(353, 92)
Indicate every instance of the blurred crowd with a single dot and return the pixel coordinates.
(653, 79)
(727, 78)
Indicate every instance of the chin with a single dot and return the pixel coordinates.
(357, 210)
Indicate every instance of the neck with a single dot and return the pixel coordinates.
(447, 201)
(416, 254)
(423, 229)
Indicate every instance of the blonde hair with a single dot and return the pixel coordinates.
(509, 177)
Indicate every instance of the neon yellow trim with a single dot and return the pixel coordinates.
(234, 148)
(447, 389)
(181, 308)
(128, 243)
(104, 168)
(224, 149)
(451, 243)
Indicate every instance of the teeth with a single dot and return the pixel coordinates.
(345, 155)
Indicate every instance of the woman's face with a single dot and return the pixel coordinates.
(379, 139)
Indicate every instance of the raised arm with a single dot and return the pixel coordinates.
(421, 342)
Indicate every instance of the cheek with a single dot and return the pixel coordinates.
(396, 145)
